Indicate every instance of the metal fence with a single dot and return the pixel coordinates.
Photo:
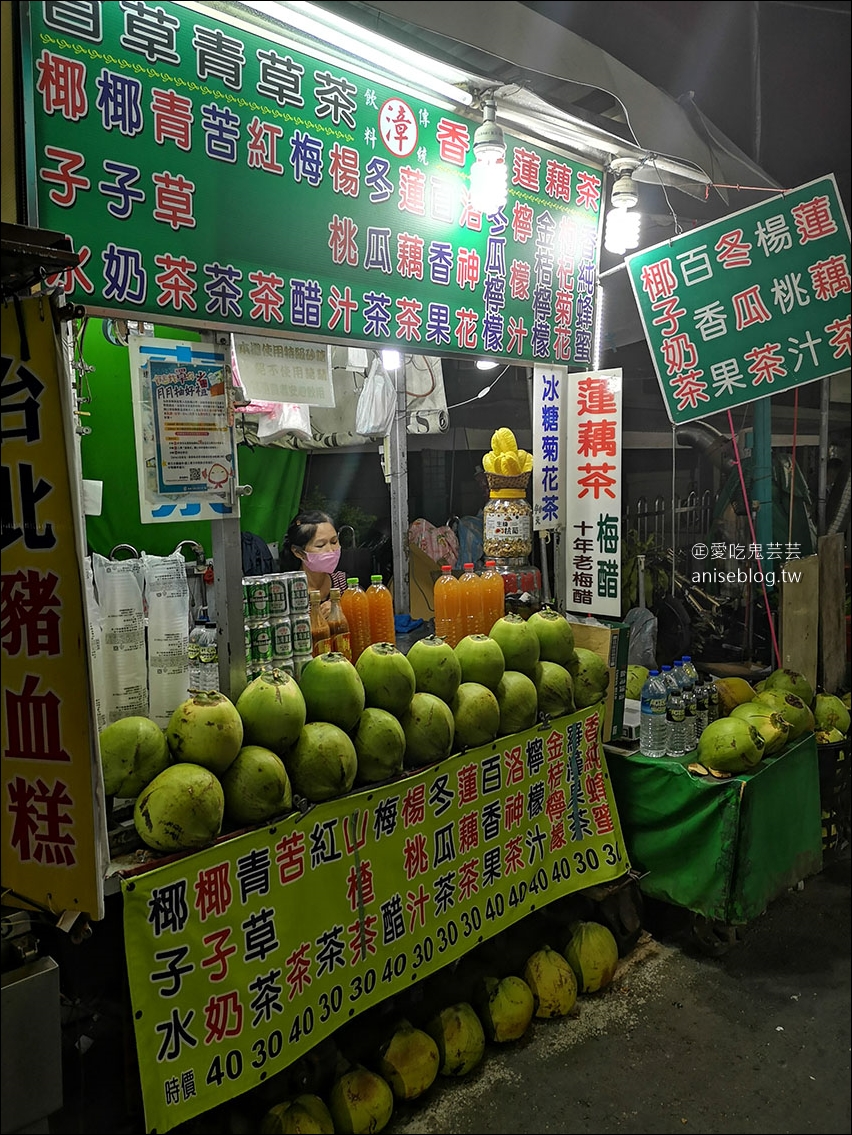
(692, 518)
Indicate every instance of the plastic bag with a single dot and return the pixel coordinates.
(439, 544)
(376, 403)
(642, 648)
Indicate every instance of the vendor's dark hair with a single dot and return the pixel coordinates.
(300, 533)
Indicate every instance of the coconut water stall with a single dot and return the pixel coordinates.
(249, 942)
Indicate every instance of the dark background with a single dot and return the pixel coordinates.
(772, 76)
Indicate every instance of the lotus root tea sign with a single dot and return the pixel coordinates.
(749, 305)
(593, 444)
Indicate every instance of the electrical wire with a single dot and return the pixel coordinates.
(413, 360)
(485, 390)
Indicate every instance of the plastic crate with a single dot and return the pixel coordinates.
(834, 793)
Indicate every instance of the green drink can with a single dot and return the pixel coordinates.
(261, 644)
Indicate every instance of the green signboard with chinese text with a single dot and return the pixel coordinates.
(211, 174)
(244, 956)
(749, 305)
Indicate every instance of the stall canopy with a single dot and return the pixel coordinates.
(551, 84)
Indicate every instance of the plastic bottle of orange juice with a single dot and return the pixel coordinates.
(470, 590)
(447, 603)
(356, 608)
(493, 595)
(382, 628)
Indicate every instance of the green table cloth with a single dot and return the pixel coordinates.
(721, 848)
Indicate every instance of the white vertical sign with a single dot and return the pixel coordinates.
(592, 446)
(548, 430)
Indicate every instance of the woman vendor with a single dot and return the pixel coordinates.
(311, 544)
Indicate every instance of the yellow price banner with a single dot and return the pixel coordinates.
(244, 956)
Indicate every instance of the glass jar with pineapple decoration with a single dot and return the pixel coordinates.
(507, 518)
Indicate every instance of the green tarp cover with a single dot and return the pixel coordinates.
(721, 848)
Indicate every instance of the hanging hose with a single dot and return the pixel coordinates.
(793, 462)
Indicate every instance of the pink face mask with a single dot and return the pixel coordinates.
(322, 561)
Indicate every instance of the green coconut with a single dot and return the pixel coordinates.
(771, 725)
(730, 745)
(272, 708)
(791, 707)
(790, 682)
(830, 713)
(181, 809)
(591, 677)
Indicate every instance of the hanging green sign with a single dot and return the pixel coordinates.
(244, 956)
(212, 175)
(753, 304)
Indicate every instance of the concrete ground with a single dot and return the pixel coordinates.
(755, 1041)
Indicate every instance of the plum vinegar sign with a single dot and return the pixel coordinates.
(750, 305)
(209, 174)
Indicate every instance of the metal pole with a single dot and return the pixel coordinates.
(228, 576)
(398, 477)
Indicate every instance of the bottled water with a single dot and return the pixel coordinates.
(687, 688)
(712, 702)
(702, 697)
(652, 720)
(675, 716)
(702, 708)
(193, 655)
(208, 678)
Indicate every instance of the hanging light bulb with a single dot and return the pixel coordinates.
(488, 191)
(622, 225)
(622, 231)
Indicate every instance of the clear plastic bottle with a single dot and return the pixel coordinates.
(193, 654)
(382, 626)
(446, 599)
(702, 708)
(712, 701)
(652, 720)
(320, 632)
(674, 714)
(470, 591)
(675, 711)
(338, 624)
(356, 608)
(687, 689)
(493, 595)
(208, 661)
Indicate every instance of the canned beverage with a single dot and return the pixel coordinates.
(297, 587)
(282, 639)
(279, 597)
(261, 643)
(300, 661)
(255, 597)
(303, 640)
